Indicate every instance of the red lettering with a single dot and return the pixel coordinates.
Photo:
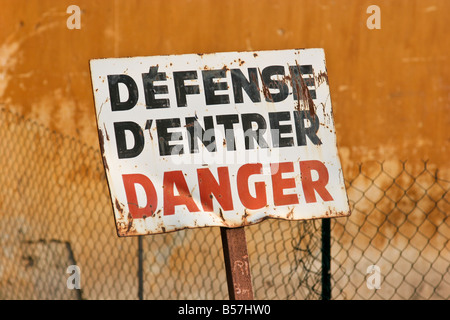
(176, 191)
(176, 178)
(247, 200)
(319, 185)
(208, 186)
(129, 181)
(279, 184)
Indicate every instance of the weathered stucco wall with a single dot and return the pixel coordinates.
(390, 87)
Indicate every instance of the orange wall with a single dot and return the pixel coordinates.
(390, 88)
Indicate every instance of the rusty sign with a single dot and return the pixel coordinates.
(223, 139)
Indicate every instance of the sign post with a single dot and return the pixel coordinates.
(237, 265)
(225, 139)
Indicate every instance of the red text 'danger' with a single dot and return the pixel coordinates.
(252, 195)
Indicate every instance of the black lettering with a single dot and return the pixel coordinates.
(122, 150)
(133, 94)
(270, 83)
(206, 135)
(302, 131)
(227, 121)
(277, 130)
(297, 72)
(151, 90)
(254, 135)
(164, 137)
(240, 82)
(181, 90)
(211, 87)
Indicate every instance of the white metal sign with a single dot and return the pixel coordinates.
(223, 139)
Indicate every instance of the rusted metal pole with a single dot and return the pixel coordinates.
(237, 264)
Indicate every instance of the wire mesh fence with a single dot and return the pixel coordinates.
(400, 224)
(55, 212)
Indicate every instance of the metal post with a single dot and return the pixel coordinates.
(140, 269)
(236, 263)
(326, 259)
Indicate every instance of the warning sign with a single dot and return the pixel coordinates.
(224, 139)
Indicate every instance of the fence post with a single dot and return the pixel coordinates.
(140, 270)
(326, 259)
(237, 264)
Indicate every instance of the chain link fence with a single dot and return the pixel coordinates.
(55, 212)
(400, 224)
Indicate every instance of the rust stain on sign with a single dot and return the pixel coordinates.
(322, 77)
(225, 139)
(307, 100)
(306, 96)
(265, 89)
